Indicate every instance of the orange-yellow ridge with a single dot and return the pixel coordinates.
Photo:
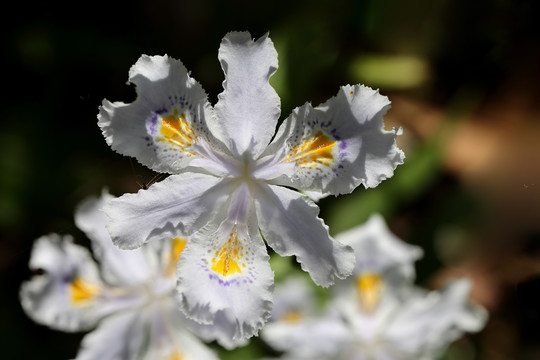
(81, 290)
(316, 149)
(175, 356)
(292, 316)
(226, 260)
(177, 246)
(177, 130)
(369, 286)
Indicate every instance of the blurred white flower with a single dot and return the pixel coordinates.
(129, 297)
(378, 314)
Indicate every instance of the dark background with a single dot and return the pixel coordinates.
(463, 77)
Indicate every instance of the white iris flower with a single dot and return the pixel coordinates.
(233, 177)
(378, 314)
(129, 297)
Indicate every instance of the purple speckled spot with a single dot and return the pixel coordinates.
(153, 124)
(222, 282)
(342, 147)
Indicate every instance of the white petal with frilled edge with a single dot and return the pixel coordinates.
(248, 108)
(183, 202)
(227, 269)
(118, 267)
(336, 146)
(427, 324)
(119, 336)
(165, 128)
(289, 224)
(63, 296)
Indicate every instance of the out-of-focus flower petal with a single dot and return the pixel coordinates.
(221, 330)
(379, 251)
(169, 337)
(118, 267)
(294, 299)
(312, 338)
(120, 336)
(427, 324)
(63, 296)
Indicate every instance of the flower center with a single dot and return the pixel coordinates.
(244, 170)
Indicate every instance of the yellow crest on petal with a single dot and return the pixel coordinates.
(369, 287)
(81, 291)
(227, 261)
(292, 316)
(175, 356)
(312, 151)
(177, 130)
(177, 246)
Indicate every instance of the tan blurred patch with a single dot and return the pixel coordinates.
(493, 148)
